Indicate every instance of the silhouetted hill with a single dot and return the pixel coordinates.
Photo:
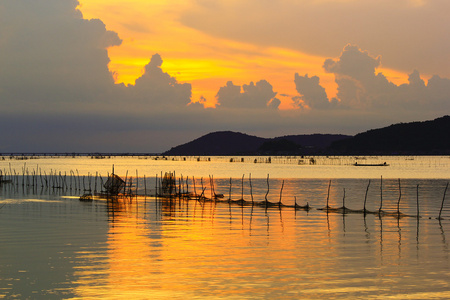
(234, 143)
(428, 137)
(219, 143)
(315, 141)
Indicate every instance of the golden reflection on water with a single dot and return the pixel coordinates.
(181, 249)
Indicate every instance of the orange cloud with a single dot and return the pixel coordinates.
(205, 61)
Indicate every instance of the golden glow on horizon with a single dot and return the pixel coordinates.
(207, 62)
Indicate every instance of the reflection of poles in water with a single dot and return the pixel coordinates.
(417, 232)
(399, 239)
(251, 219)
(442, 204)
(328, 224)
(281, 221)
(366, 229)
(365, 198)
(242, 216)
(443, 238)
(381, 237)
(268, 188)
(343, 223)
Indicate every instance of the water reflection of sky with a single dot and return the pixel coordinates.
(54, 246)
(180, 249)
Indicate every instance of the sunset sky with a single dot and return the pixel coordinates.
(144, 76)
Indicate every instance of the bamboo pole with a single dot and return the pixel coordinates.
(95, 187)
(195, 189)
(328, 195)
(399, 197)
(125, 184)
(381, 195)
(79, 183)
(145, 186)
(156, 186)
(251, 187)
(365, 197)
(229, 198)
(137, 182)
(211, 186)
(442, 204)
(343, 201)
(281, 192)
(242, 188)
(417, 201)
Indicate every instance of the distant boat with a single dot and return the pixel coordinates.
(371, 165)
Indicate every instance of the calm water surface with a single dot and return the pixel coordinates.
(54, 246)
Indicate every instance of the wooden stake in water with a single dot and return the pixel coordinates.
(211, 186)
(281, 192)
(95, 182)
(195, 189)
(268, 188)
(137, 182)
(251, 188)
(417, 201)
(343, 201)
(242, 188)
(365, 197)
(381, 194)
(328, 195)
(145, 187)
(443, 199)
(399, 196)
(229, 198)
(156, 185)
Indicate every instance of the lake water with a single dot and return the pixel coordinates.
(54, 246)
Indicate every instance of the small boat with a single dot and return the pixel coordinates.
(371, 165)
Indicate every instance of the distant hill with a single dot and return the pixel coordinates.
(219, 143)
(428, 137)
(235, 143)
(315, 141)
